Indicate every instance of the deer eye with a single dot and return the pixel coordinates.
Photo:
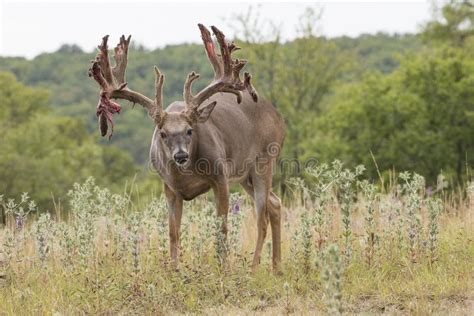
(189, 132)
(163, 135)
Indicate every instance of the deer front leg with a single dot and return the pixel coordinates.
(175, 210)
(221, 193)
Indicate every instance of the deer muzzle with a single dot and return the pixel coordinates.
(181, 157)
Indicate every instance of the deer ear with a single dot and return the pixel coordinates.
(204, 113)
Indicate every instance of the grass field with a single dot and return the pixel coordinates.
(347, 248)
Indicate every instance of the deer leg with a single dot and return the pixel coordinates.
(175, 210)
(221, 194)
(274, 212)
(261, 191)
(274, 204)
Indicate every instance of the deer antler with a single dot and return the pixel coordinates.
(113, 85)
(226, 72)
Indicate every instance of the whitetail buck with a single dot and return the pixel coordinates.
(232, 138)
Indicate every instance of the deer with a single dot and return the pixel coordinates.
(221, 135)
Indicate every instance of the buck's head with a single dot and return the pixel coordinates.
(176, 128)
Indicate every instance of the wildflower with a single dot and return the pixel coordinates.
(236, 207)
(19, 222)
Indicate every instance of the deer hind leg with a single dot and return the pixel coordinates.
(268, 209)
(274, 207)
(261, 197)
(175, 211)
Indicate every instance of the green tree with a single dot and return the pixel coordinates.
(418, 118)
(44, 154)
(453, 24)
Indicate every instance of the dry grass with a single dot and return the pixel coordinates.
(124, 268)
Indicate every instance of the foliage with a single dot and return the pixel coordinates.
(46, 154)
(453, 23)
(418, 118)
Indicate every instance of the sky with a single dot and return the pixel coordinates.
(31, 27)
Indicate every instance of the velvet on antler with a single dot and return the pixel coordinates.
(226, 72)
(113, 85)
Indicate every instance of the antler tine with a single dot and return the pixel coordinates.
(96, 72)
(120, 57)
(237, 66)
(237, 93)
(211, 53)
(248, 85)
(103, 59)
(187, 94)
(159, 80)
(225, 51)
(233, 47)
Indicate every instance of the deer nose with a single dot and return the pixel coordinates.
(181, 157)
